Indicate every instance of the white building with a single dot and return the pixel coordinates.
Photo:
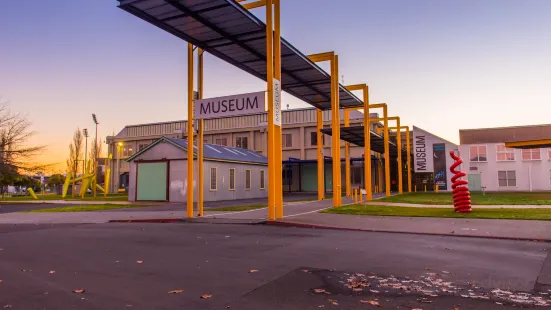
(493, 166)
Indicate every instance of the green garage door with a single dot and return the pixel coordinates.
(152, 181)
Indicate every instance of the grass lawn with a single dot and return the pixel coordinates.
(493, 198)
(515, 214)
(238, 208)
(99, 197)
(84, 208)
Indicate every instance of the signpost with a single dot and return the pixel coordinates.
(242, 104)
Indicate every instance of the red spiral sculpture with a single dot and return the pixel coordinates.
(461, 195)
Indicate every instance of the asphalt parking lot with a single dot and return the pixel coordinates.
(134, 266)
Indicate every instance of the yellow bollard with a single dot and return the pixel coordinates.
(31, 192)
(425, 188)
(436, 188)
(415, 188)
(361, 197)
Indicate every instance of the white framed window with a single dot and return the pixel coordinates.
(531, 154)
(242, 142)
(248, 179)
(232, 179)
(507, 178)
(213, 179)
(287, 140)
(504, 153)
(262, 184)
(478, 153)
(142, 146)
(221, 141)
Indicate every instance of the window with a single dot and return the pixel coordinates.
(504, 153)
(232, 179)
(314, 139)
(262, 184)
(531, 154)
(248, 179)
(478, 153)
(241, 142)
(507, 178)
(221, 141)
(141, 146)
(127, 151)
(287, 140)
(213, 179)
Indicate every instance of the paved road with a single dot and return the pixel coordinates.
(216, 260)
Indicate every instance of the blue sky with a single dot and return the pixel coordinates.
(440, 65)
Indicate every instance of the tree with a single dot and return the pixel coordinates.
(16, 156)
(56, 179)
(75, 156)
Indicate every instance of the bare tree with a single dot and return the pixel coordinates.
(16, 155)
(75, 156)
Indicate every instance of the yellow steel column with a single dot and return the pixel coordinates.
(387, 151)
(277, 140)
(321, 160)
(399, 146)
(347, 156)
(367, 145)
(190, 131)
(335, 120)
(409, 159)
(200, 142)
(271, 130)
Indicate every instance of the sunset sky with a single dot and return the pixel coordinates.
(440, 65)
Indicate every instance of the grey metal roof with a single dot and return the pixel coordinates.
(212, 152)
(355, 135)
(230, 32)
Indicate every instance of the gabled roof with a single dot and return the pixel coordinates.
(429, 133)
(213, 152)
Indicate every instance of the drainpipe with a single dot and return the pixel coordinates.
(530, 176)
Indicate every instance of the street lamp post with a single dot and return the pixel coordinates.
(119, 146)
(85, 132)
(94, 190)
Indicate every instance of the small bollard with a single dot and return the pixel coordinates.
(31, 192)
(425, 188)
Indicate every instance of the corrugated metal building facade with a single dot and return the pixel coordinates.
(247, 132)
(159, 173)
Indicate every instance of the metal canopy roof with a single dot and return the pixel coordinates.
(355, 135)
(230, 32)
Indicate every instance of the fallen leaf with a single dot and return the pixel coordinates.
(253, 271)
(333, 302)
(306, 270)
(78, 291)
(374, 291)
(206, 296)
(51, 272)
(7, 306)
(370, 302)
(321, 291)
(139, 261)
(176, 292)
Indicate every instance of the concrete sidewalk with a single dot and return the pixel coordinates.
(485, 228)
(415, 205)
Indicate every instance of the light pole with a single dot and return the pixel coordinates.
(94, 190)
(119, 146)
(85, 132)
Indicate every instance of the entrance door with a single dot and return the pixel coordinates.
(151, 183)
(475, 185)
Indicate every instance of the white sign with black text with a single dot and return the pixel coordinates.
(422, 150)
(243, 104)
(277, 102)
